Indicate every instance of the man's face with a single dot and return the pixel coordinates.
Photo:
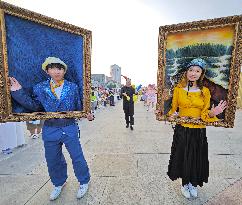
(128, 82)
(55, 73)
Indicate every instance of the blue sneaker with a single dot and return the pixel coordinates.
(193, 190)
(56, 192)
(185, 191)
(82, 191)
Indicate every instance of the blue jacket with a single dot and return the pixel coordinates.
(44, 99)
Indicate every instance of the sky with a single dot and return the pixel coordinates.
(224, 35)
(125, 32)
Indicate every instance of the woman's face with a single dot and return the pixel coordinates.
(194, 73)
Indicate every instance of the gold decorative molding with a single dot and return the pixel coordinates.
(5, 97)
(236, 22)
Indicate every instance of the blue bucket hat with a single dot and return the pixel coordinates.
(197, 62)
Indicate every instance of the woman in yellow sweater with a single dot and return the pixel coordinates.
(189, 151)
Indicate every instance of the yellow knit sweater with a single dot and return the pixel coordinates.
(194, 104)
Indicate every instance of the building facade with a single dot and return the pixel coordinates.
(115, 73)
(98, 80)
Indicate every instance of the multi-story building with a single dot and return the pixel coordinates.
(98, 80)
(115, 72)
(108, 79)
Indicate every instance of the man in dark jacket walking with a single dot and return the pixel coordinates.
(127, 93)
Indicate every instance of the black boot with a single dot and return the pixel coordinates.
(131, 127)
(127, 125)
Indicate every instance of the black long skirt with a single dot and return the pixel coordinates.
(189, 156)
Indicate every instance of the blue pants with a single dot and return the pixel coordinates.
(56, 163)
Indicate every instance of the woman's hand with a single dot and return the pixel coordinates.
(14, 84)
(218, 109)
(173, 116)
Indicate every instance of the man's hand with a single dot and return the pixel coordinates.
(90, 117)
(156, 112)
(14, 84)
(124, 94)
(127, 97)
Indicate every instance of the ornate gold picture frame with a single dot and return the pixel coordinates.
(219, 43)
(23, 33)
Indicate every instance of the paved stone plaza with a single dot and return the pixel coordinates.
(127, 167)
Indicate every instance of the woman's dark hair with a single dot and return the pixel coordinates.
(200, 81)
(55, 65)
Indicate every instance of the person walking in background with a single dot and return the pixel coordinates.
(98, 97)
(93, 102)
(35, 128)
(127, 93)
(144, 96)
(111, 97)
(151, 96)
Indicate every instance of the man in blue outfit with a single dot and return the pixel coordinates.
(55, 95)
